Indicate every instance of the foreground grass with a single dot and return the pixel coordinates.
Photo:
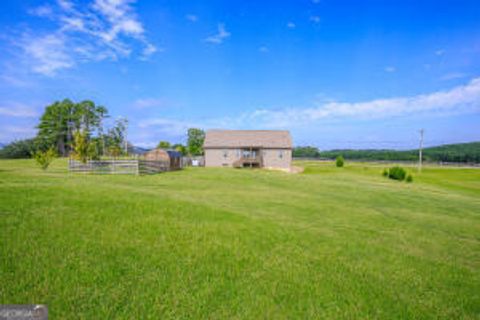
(226, 243)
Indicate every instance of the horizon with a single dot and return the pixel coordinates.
(337, 75)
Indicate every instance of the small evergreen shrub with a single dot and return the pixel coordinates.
(409, 178)
(339, 162)
(397, 173)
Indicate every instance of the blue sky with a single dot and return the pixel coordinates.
(337, 74)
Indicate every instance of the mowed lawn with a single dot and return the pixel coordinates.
(226, 243)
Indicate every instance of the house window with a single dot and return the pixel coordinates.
(280, 154)
(249, 153)
(225, 153)
(239, 153)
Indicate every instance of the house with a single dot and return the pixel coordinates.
(248, 148)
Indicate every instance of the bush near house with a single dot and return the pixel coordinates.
(397, 173)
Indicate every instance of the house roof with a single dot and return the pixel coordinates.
(247, 138)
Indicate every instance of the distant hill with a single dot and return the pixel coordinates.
(137, 150)
(460, 152)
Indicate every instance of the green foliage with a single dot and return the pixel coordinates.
(180, 148)
(163, 145)
(385, 172)
(115, 138)
(114, 151)
(62, 118)
(85, 149)
(44, 158)
(462, 152)
(80, 146)
(339, 162)
(195, 141)
(306, 152)
(19, 149)
(209, 243)
(409, 178)
(94, 149)
(397, 173)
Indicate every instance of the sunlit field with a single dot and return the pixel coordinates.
(227, 243)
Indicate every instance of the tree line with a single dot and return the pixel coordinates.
(78, 128)
(64, 122)
(194, 146)
(461, 152)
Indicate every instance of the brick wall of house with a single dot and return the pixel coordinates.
(277, 158)
(272, 158)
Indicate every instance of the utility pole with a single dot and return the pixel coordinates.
(420, 151)
(126, 141)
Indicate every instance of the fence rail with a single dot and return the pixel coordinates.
(113, 166)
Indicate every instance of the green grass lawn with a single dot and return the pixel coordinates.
(226, 243)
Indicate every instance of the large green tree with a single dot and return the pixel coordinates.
(115, 139)
(195, 141)
(163, 145)
(180, 148)
(62, 118)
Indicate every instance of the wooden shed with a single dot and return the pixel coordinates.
(169, 158)
(157, 155)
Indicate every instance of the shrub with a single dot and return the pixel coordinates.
(92, 150)
(339, 162)
(44, 158)
(409, 178)
(80, 146)
(397, 173)
(385, 172)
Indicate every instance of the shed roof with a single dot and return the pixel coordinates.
(248, 138)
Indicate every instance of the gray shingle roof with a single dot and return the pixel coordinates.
(247, 138)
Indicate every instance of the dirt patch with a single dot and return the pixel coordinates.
(296, 169)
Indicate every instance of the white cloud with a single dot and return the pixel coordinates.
(148, 103)
(463, 99)
(439, 52)
(315, 19)
(220, 36)
(14, 109)
(49, 53)
(44, 11)
(65, 4)
(390, 69)
(191, 17)
(149, 50)
(459, 100)
(150, 131)
(11, 133)
(102, 29)
(263, 49)
(291, 25)
(15, 81)
(453, 76)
